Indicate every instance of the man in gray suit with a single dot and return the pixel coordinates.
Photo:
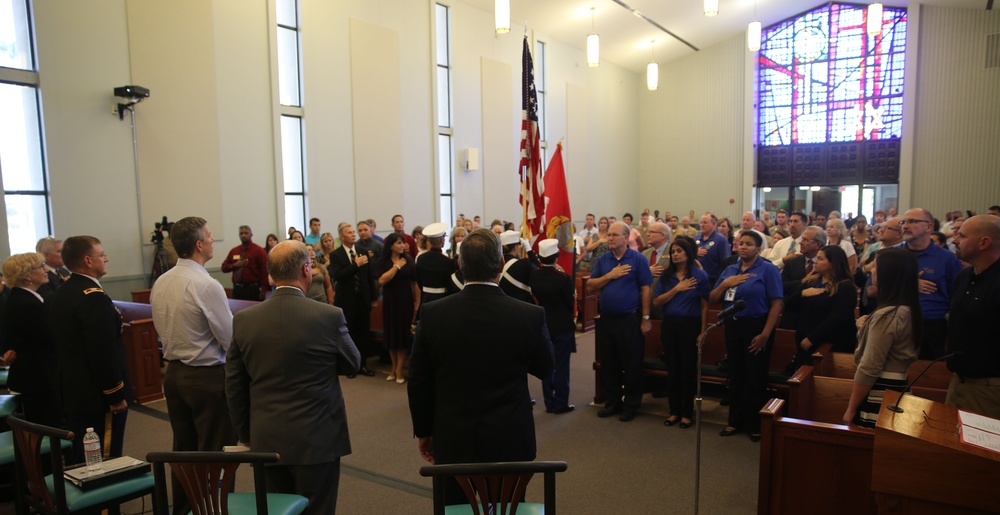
(282, 386)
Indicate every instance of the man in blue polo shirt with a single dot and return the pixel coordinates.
(938, 269)
(712, 247)
(623, 278)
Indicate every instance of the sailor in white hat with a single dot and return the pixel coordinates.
(434, 269)
(516, 270)
(556, 292)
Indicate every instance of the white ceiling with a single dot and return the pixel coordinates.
(625, 38)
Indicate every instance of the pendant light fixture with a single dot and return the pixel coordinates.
(711, 7)
(874, 19)
(501, 10)
(652, 69)
(753, 31)
(593, 44)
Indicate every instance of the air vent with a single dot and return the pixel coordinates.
(993, 51)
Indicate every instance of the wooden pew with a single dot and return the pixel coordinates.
(818, 398)
(586, 303)
(933, 385)
(813, 467)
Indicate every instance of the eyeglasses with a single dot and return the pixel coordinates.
(101, 255)
(914, 221)
(615, 235)
(890, 228)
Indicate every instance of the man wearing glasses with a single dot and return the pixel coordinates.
(623, 278)
(93, 375)
(938, 269)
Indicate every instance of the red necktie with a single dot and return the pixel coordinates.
(809, 266)
(652, 258)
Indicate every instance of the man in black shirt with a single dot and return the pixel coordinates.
(971, 319)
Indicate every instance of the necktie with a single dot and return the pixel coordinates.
(809, 266)
(793, 247)
(652, 258)
(357, 278)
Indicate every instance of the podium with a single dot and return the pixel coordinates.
(921, 466)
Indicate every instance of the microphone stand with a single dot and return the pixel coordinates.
(697, 418)
(895, 407)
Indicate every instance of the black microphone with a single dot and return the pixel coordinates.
(730, 311)
(895, 407)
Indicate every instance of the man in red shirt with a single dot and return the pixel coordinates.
(411, 244)
(248, 263)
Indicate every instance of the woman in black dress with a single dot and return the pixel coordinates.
(400, 298)
(826, 314)
(29, 347)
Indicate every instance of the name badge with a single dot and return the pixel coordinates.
(236, 257)
(730, 295)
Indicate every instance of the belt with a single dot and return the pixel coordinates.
(987, 381)
(428, 289)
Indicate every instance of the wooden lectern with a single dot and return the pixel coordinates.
(921, 466)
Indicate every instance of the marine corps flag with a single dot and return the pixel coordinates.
(530, 167)
(558, 220)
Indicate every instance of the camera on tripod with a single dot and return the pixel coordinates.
(161, 226)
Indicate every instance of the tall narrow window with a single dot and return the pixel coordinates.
(22, 151)
(292, 128)
(445, 148)
(541, 86)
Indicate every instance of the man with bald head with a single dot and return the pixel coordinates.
(972, 319)
(938, 268)
(623, 277)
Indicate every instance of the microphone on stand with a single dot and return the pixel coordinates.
(895, 407)
(730, 311)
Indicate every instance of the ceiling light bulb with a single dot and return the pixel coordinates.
(593, 50)
(501, 10)
(711, 7)
(874, 19)
(652, 76)
(753, 36)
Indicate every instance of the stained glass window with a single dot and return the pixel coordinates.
(822, 79)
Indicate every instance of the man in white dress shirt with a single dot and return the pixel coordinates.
(192, 317)
(790, 247)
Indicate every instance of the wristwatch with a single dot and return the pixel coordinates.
(645, 317)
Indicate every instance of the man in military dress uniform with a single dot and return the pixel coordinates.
(556, 292)
(516, 270)
(434, 269)
(93, 374)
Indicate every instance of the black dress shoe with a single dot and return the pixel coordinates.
(627, 416)
(729, 431)
(365, 372)
(352, 376)
(567, 409)
(685, 425)
(754, 438)
(609, 411)
(671, 421)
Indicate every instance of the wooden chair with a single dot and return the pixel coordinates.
(207, 479)
(51, 494)
(495, 488)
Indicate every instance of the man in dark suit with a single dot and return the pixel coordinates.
(51, 250)
(93, 374)
(354, 273)
(300, 415)
(795, 272)
(468, 388)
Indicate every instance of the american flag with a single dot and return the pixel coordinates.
(530, 169)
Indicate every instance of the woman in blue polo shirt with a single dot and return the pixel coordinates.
(682, 291)
(750, 334)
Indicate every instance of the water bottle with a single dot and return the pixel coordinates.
(92, 451)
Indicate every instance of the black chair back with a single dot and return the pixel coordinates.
(494, 488)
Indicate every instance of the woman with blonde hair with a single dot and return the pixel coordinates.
(326, 247)
(457, 235)
(321, 287)
(836, 234)
(29, 347)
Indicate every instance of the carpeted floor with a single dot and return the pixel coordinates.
(639, 467)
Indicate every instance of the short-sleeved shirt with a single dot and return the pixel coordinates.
(718, 249)
(685, 303)
(763, 285)
(623, 295)
(940, 267)
(972, 325)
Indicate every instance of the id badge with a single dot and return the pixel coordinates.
(730, 295)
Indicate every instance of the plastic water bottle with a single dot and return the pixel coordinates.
(92, 451)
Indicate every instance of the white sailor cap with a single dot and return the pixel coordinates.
(510, 237)
(435, 230)
(548, 247)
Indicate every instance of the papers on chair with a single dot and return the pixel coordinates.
(111, 471)
(236, 448)
(980, 431)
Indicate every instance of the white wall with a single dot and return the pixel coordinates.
(207, 136)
